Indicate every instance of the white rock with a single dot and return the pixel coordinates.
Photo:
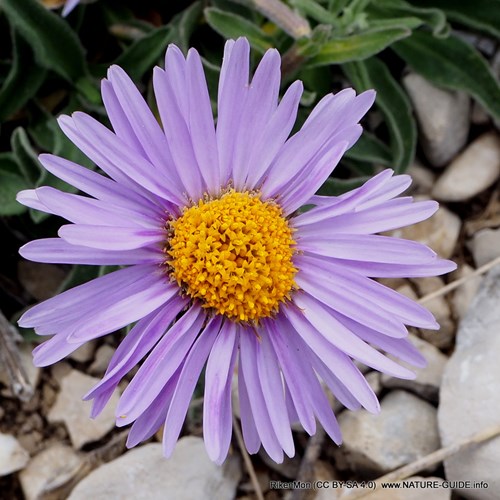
(13, 456)
(405, 430)
(463, 295)
(102, 358)
(48, 470)
(443, 118)
(470, 173)
(72, 411)
(42, 281)
(414, 488)
(440, 232)
(144, 474)
(485, 246)
(428, 379)
(84, 353)
(442, 338)
(469, 397)
(32, 371)
(423, 179)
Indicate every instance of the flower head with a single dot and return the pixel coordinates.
(220, 268)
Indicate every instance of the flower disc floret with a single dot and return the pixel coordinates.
(235, 254)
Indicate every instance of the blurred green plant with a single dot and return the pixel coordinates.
(51, 65)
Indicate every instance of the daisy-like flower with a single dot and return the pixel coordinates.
(219, 267)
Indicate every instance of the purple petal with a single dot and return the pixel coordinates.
(337, 361)
(273, 391)
(217, 412)
(178, 136)
(53, 350)
(140, 302)
(351, 305)
(403, 308)
(111, 238)
(190, 374)
(377, 270)
(98, 186)
(89, 293)
(56, 250)
(250, 434)
(154, 416)
(290, 363)
(367, 248)
(143, 123)
(345, 340)
(260, 411)
(233, 90)
(84, 210)
(401, 348)
(390, 215)
(310, 179)
(138, 342)
(273, 136)
(201, 123)
(259, 106)
(159, 366)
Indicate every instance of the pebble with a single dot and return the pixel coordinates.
(442, 338)
(422, 178)
(435, 492)
(74, 413)
(48, 470)
(442, 116)
(428, 379)
(32, 371)
(84, 353)
(101, 360)
(463, 295)
(471, 172)
(469, 399)
(440, 232)
(42, 281)
(485, 246)
(405, 430)
(145, 474)
(13, 456)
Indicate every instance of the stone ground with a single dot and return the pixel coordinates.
(49, 449)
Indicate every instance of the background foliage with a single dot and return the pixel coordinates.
(51, 65)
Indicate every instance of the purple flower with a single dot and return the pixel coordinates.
(221, 269)
(69, 6)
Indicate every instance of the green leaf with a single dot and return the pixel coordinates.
(55, 45)
(388, 9)
(10, 184)
(231, 25)
(144, 53)
(357, 47)
(26, 157)
(336, 187)
(394, 104)
(482, 15)
(23, 81)
(185, 23)
(315, 11)
(369, 149)
(454, 64)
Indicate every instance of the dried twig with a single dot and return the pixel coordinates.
(426, 462)
(306, 470)
(9, 354)
(283, 16)
(455, 284)
(248, 461)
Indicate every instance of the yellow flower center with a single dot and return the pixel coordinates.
(235, 254)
